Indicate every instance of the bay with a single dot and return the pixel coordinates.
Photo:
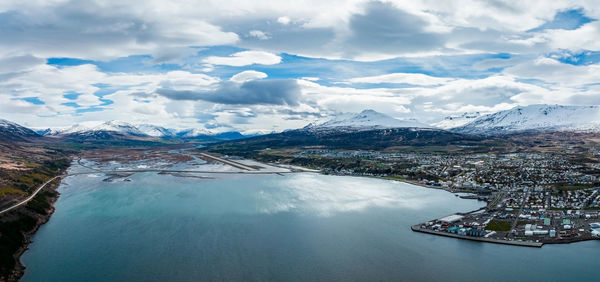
(295, 227)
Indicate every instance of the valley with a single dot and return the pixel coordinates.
(523, 176)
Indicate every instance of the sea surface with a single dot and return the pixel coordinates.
(296, 227)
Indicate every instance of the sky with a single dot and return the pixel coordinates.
(262, 66)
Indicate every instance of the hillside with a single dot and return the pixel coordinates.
(365, 120)
(540, 118)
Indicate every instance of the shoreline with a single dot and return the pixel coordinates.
(417, 228)
(19, 268)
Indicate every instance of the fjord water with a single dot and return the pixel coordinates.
(296, 227)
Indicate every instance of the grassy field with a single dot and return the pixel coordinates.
(9, 190)
(498, 225)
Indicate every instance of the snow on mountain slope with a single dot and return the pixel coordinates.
(458, 120)
(11, 130)
(104, 131)
(536, 118)
(193, 132)
(155, 131)
(365, 120)
(112, 126)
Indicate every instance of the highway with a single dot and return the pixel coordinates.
(30, 197)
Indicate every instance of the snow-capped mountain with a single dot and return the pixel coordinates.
(88, 128)
(123, 130)
(155, 131)
(457, 120)
(48, 131)
(365, 120)
(536, 118)
(193, 132)
(12, 131)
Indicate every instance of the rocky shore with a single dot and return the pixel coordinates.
(18, 226)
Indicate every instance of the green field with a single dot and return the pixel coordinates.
(498, 225)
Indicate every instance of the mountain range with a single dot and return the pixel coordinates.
(10, 131)
(365, 120)
(536, 118)
(121, 130)
(533, 118)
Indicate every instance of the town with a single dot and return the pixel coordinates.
(531, 198)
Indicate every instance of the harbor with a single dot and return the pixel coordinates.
(527, 228)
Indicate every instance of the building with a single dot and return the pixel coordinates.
(452, 218)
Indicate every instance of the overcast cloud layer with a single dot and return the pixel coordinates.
(259, 66)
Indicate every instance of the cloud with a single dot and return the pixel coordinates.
(294, 38)
(283, 20)
(389, 30)
(447, 57)
(17, 64)
(404, 78)
(100, 30)
(248, 75)
(554, 72)
(259, 34)
(245, 58)
(265, 92)
(331, 29)
(583, 38)
(569, 20)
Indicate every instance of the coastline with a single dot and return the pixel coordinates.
(19, 269)
(417, 228)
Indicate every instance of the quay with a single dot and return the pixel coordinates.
(417, 228)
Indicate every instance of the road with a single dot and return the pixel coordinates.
(30, 197)
(516, 221)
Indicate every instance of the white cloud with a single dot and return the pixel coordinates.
(407, 78)
(583, 38)
(554, 72)
(248, 75)
(357, 30)
(245, 58)
(258, 34)
(284, 20)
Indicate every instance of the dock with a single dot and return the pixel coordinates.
(417, 228)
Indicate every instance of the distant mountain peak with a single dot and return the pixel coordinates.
(457, 120)
(365, 120)
(12, 131)
(108, 126)
(155, 130)
(536, 118)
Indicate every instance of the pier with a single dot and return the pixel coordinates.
(417, 228)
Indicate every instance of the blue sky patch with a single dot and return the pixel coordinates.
(90, 109)
(33, 100)
(71, 104)
(569, 20)
(70, 95)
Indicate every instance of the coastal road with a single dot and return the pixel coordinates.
(30, 197)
